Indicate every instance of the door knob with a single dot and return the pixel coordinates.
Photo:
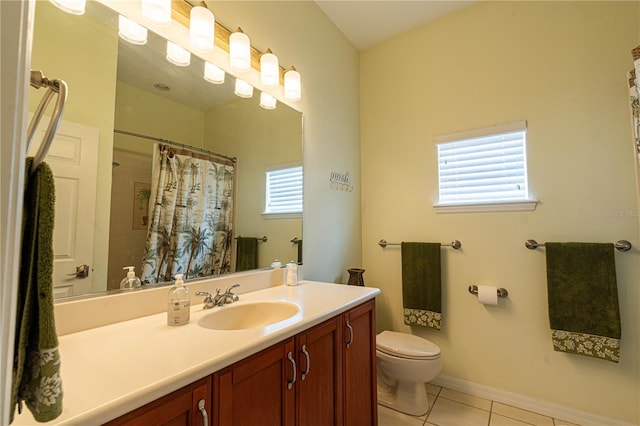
(82, 271)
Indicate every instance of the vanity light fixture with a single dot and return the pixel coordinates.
(243, 89)
(177, 55)
(239, 51)
(157, 11)
(292, 87)
(74, 7)
(267, 101)
(213, 74)
(269, 69)
(131, 31)
(201, 28)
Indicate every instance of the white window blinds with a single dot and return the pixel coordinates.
(284, 191)
(483, 166)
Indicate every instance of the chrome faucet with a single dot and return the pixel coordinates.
(208, 300)
(219, 299)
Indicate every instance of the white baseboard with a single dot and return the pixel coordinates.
(546, 408)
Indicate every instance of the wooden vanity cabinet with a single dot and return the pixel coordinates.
(180, 408)
(256, 391)
(324, 376)
(360, 380)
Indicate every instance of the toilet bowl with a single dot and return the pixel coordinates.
(405, 363)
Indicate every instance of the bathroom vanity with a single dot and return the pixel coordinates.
(315, 367)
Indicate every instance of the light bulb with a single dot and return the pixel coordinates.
(177, 55)
(131, 31)
(213, 74)
(292, 86)
(267, 101)
(269, 69)
(239, 51)
(157, 11)
(74, 7)
(201, 28)
(243, 89)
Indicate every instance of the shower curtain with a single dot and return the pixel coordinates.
(634, 96)
(190, 227)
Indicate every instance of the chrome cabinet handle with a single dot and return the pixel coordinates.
(295, 373)
(203, 411)
(306, 354)
(350, 334)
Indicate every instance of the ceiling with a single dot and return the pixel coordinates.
(369, 22)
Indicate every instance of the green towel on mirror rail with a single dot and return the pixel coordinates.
(36, 363)
(583, 299)
(246, 253)
(421, 285)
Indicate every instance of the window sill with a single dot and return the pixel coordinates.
(267, 216)
(506, 206)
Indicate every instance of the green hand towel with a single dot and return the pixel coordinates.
(246, 253)
(583, 299)
(421, 287)
(36, 363)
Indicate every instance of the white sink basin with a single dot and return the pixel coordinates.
(248, 315)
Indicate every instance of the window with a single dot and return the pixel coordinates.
(485, 167)
(284, 191)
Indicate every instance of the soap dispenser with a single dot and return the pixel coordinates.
(178, 303)
(130, 281)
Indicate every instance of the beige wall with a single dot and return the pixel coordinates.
(144, 112)
(259, 139)
(65, 50)
(301, 35)
(561, 66)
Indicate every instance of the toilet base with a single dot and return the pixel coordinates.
(408, 398)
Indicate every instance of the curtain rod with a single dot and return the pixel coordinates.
(170, 142)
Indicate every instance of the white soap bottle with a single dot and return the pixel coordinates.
(130, 281)
(178, 303)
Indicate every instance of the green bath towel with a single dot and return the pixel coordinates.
(36, 362)
(583, 299)
(421, 286)
(246, 253)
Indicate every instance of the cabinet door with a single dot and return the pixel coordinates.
(360, 392)
(319, 387)
(180, 408)
(259, 390)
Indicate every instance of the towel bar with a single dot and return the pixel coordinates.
(263, 239)
(455, 244)
(502, 292)
(620, 245)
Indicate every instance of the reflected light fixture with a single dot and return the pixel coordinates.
(267, 101)
(239, 51)
(243, 89)
(269, 69)
(201, 28)
(131, 31)
(157, 11)
(74, 7)
(292, 86)
(177, 55)
(213, 74)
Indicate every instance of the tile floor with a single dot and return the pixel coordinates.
(451, 408)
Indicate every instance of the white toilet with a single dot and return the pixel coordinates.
(405, 363)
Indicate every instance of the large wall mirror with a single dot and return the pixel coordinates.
(132, 102)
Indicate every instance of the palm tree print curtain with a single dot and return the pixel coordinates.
(190, 230)
(634, 94)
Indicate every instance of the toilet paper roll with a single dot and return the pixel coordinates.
(487, 295)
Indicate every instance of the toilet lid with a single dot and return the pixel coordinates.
(406, 345)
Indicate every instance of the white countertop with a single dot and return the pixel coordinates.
(111, 370)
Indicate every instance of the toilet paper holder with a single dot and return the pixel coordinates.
(502, 292)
